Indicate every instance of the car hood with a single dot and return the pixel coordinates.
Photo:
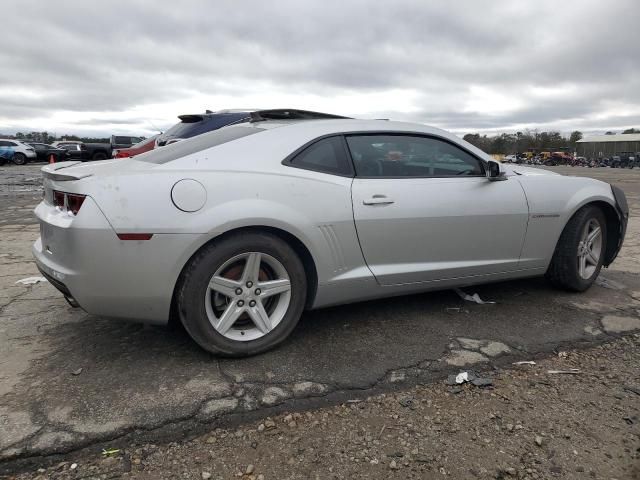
(528, 171)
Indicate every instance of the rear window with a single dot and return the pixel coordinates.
(192, 125)
(197, 144)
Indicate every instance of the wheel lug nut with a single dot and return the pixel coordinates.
(258, 291)
(249, 284)
(252, 303)
(238, 291)
(240, 303)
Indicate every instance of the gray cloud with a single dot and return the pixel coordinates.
(118, 58)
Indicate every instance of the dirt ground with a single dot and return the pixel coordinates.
(530, 424)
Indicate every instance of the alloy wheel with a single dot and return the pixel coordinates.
(589, 249)
(248, 296)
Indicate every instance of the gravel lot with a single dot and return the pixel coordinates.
(530, 425)
(357, 392)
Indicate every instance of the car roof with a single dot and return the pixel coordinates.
(319, 128)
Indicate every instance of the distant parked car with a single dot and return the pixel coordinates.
(137, 149)
(97, 151)
(16, 151)
(76, 150)
(44, 152)
(102, 151)
(197, 124)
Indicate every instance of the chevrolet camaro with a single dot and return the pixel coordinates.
(236, 232)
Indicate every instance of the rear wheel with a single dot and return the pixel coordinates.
(19, 158)
(579, 253)
(99, 156)
(242, 295)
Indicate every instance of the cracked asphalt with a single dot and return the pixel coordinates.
(69, 380)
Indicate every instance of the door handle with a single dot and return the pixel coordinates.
(378, 200)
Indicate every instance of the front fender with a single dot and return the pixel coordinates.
(553, 200)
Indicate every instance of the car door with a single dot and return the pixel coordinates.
(6, 150)
(425, 211)
(41, 150)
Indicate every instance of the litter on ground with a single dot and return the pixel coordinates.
(109, 452)
(30, 280)
(468, 377)
(524, 362)
(571, 371)
(471, 298)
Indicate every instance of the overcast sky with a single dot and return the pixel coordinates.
(102, 67)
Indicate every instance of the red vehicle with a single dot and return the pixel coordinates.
(137, 149)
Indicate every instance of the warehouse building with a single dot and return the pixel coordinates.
(608, 145)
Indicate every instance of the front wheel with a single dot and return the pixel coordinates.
(580, 251)
(242, 295)
(19, 158)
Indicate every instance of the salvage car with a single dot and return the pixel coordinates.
(196, 124)
(16, 151)
(236, 232)
(140, 147)
(44, 152)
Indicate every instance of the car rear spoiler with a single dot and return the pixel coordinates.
(51, 172)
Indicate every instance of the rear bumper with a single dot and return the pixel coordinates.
(84, 259)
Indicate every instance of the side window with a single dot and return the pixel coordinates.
(410, 156)
(326, 156)
(4, 143)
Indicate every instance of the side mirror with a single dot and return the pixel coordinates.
(494, 173)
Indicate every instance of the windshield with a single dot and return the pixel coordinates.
(197, 144)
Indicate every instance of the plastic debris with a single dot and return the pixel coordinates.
(77, 372)
(73, 466)
(468, 377)
(31, 280)
(110, 452)
(471, 298)
(571, 371)
(524, 362)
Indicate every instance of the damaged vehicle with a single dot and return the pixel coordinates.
(237, 231)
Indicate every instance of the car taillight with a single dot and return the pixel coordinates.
(69, 202)
(58, 199)
(122, 155)
(74, 202)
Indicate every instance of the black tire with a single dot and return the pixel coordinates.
(99, 156)
(195, 280)
(19, 158)
(563, 271)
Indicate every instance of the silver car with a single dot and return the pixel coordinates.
(236, 232)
